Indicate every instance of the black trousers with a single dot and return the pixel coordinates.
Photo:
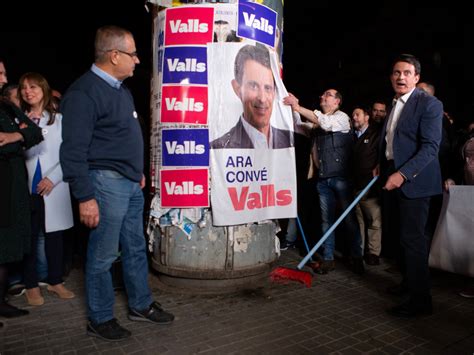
(411, 217)
(53, 248)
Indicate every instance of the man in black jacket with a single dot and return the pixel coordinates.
(365, 160)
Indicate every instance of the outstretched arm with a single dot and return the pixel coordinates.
(292, 101)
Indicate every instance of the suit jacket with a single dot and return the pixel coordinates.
(416, 143)
(237, 137)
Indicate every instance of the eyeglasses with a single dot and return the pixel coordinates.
(131, 55)
(328, 94)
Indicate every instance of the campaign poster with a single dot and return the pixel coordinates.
(185, 147)
(251, 136)
(189, 25)
(185, 65)
(257, 22)
(184, 188)
(184, 104)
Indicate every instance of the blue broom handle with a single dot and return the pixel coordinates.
(339, 220)
(302, 234)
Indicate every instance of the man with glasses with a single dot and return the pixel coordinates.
(332, 155)
(102, 159)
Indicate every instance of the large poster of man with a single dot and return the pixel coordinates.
(253, 175)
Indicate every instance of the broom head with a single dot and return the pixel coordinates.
(283, 275)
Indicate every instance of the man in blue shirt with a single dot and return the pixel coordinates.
(102, 159)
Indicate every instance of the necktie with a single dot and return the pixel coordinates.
(36, 178)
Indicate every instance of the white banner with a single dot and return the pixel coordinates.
(452, 248)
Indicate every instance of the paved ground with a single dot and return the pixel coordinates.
(340, 314)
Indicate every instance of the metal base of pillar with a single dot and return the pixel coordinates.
(211, 282)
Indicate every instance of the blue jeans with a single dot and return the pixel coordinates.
(41, 261)
(120, 203)
(332, 192)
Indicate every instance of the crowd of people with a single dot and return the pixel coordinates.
(44, 160)
(89, 149)
(413, 147)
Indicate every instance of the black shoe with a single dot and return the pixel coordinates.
(325, 267)
(9, 311)
(283, 245)
(154, 314)
(358, 266)
(16, 290)
(411, 310)
(394, 269)
(397, 290)
(372, 259)
(108, 331)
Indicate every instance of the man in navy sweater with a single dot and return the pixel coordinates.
(102, 159)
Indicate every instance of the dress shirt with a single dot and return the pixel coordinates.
(335, 122)
(397, 107)
(359, 133)
(258, 139)
(109, 79)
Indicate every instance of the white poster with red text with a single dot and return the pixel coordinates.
(247, 184)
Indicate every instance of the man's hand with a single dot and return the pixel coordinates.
(89, 213)
(376, 170)
(292, 101)
(394, 181)
(7, 138)
(142, 182)
(44, 187)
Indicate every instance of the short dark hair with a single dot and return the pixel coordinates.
(410, 59)
(258, 53)
(8, 88)
(364, 108)
(339, 96)
(379, 101)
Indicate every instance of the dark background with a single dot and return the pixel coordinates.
(326, 44)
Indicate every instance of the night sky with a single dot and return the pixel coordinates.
(326, 44)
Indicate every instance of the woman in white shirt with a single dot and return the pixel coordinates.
(50, 197)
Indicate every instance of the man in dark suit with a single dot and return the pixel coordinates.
(410, 173)
(255, 86)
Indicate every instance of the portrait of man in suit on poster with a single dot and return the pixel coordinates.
(254, 85)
